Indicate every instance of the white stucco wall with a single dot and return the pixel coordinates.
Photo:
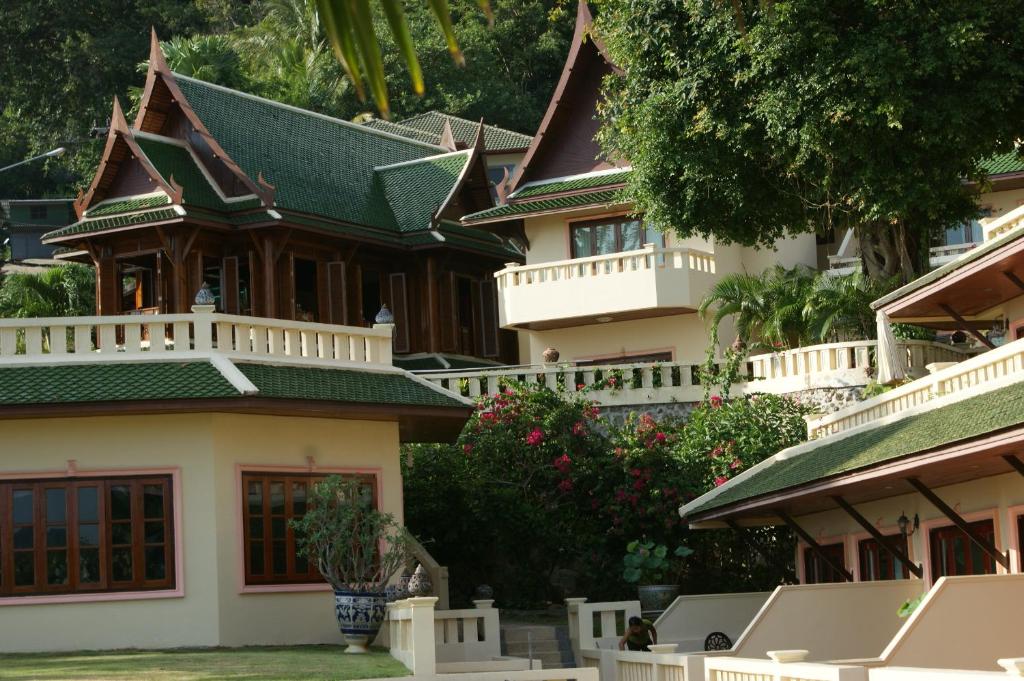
(208, 449)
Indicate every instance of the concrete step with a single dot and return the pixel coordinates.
(538, 632)
(548, 643)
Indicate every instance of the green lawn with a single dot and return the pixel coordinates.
(203, 664)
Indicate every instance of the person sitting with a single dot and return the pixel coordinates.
(640, 634)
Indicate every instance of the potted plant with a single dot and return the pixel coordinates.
(357, 549)
(649, 566)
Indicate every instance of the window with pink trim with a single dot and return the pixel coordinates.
(270, 502)
(86, 535)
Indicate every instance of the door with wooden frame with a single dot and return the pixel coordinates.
(817, 571)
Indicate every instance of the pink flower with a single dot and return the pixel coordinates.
(565, 485)
(635, 472)
(579, 429)
(736, 463)
(659, 436)
(467, 448)
(620, 495)
(716, 401)
(535, 437)
(562, 463)
(721, 480)
(580, 386)
(612, 382)
(716, 452)
(638, 485)
(618, 451)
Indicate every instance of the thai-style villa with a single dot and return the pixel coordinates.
(291, 215)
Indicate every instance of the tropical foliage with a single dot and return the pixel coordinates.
(355, 546)
(749, 121)
(785, 308)
(65, 291)
(544, 472)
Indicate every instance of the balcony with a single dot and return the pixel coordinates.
(649, 282)
(173, 337)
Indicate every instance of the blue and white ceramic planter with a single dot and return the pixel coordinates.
(359, 617)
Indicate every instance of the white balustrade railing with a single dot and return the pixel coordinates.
(468, 634)
(984, 369)
(830, 365)
(940, 255)
(647, 258)
(595, 626)
(1004, 223)
(411, 634)
(123, 336)
(649, 666)
(746, 669)
(1014, 669)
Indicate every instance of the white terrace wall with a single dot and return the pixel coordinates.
(831, 621)
(690, 619)
(964, 623)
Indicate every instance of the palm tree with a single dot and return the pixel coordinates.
(839, 308)
(767, 308)
(350, 29)
(64, 291)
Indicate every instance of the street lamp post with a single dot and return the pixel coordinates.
(59, 151)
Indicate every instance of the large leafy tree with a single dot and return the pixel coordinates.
(747, 121)
(60, 66)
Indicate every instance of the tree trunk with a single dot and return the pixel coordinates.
(887, 251)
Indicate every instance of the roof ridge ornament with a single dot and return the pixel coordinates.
(448, 137)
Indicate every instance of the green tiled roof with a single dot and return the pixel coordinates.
(572, 184)
(98, 225)
(429, 180)
(128, 204)
(339, 385)
(518, 210)
(399, 129)
(431, 125)
(951, 266)
(319, 165)
(172, 160)
(1010, 162)
(969, 418)
(109, 381)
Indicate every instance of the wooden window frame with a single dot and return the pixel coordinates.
(936, 564)
(809, 558)
(72, 547)
(291, 577)
(886, 561)
(617, 220)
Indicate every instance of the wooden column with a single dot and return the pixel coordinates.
(269, 278)
(108, 288)
(229, 285)
(433, 316)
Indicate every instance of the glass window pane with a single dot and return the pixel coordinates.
(120, 502)
(154, 532)
(22, 505)
(153, 501)
(89, 566)
(255, 498)
(24, 569)
(654, 236)
(56, 501)
(581, 242)
(277, 528)
(256, 557)
(89, 535)
(156, 563)
(298, 498)
(631, 235)
(23, 537)
(56, 536)
(301, 563)
(121, 533)
(277, 498)
(88, 505)
(279, 558)
(122, 565)
(56, 567)
(255, 528)
(605, 239)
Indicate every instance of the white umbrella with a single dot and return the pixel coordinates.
(891, 361)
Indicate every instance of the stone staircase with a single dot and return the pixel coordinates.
(548, 643)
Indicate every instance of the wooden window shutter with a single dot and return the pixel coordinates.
(478, 326)
(229, 286)
(400, 309)
(287, 286)
(336, 295)
(448, 312)
(489, 317)
(323, 296)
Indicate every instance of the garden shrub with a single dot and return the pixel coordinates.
(540, 496)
